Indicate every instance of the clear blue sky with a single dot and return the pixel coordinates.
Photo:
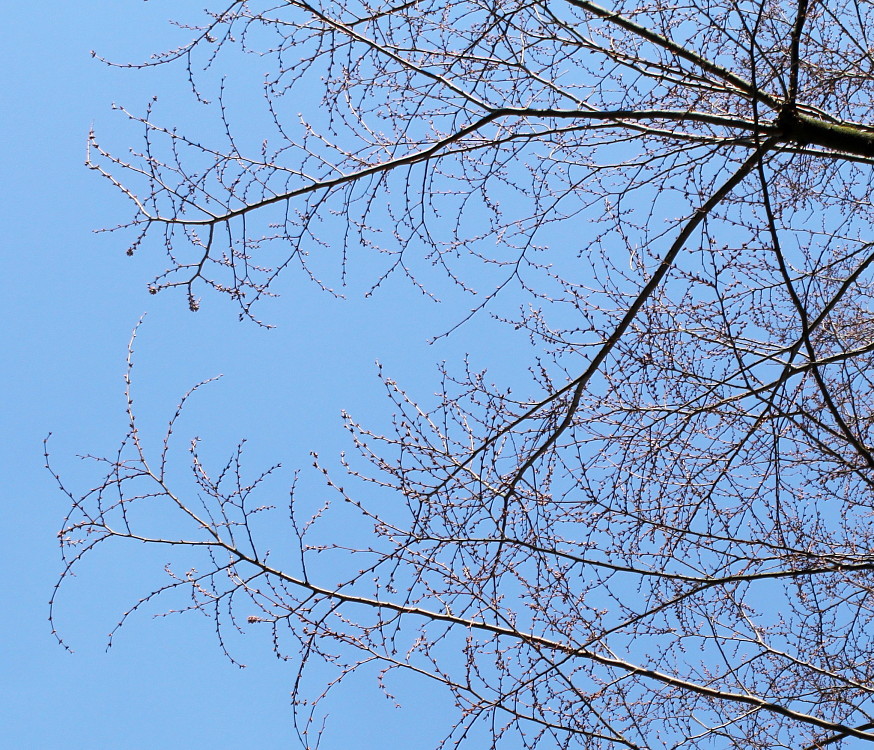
(70, 300)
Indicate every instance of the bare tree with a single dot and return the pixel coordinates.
(669, 544)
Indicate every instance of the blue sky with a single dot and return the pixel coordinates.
(70, 301)
(71, 298)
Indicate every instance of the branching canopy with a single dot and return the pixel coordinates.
(668, 542)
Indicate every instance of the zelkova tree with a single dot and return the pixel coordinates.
(669, 541)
